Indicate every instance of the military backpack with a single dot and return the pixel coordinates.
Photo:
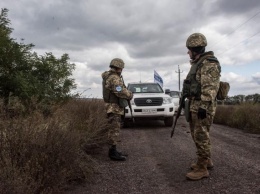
(223, 90)
(223, 86)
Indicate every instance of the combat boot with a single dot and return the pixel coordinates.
(210, 165)
(114, 155)
(123, 154)
(200, 172)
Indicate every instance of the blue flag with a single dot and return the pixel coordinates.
(158, 79)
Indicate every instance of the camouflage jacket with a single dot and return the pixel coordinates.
(116, 85)
(208, 75)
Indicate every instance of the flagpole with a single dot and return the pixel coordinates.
(179, 72)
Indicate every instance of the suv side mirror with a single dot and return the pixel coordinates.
(167, 91)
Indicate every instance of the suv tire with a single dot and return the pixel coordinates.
(126, 123)
(168, 121)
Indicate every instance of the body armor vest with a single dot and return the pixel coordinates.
(108, 96)
(191, 87)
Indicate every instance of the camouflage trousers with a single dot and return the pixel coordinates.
(200, 134)
(114, 121)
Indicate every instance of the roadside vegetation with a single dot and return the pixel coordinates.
(245, 116)
(240, 111)
(42, 154)
(46, 134)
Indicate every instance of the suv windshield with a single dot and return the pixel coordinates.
(145, 88)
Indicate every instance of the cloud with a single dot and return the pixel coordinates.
(256, 77)
(237, 7)
(147, 35)
(242, 85)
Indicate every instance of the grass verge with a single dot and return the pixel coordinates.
(244, 116)
(42, 154)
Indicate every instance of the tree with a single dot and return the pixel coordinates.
(53, 77)
(255, 98)
(26, 75)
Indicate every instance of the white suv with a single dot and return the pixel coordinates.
(176, 95)
(149, 101)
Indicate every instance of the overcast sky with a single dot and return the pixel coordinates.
(147, 34)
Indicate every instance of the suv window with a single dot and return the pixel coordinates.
(175, 94)
(145, 88)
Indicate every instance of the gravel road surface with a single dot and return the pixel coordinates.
(158, 163)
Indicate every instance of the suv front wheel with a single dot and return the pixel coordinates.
(168, 121)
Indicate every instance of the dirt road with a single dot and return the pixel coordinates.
(158, 163)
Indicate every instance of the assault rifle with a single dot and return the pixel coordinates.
(178, 114)
(131, 110)
(129, 103)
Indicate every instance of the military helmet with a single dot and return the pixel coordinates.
(118, 63)
(196, 40)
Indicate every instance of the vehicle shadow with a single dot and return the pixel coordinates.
(147, 124)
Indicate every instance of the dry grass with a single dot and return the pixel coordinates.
(88, 116)
(43, 155)
(245, 116)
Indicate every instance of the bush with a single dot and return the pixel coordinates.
(245, 116)
(42, 154)
(88, 116)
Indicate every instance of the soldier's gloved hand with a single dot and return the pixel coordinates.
(202, 113)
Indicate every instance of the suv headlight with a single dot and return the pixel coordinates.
(167, 100)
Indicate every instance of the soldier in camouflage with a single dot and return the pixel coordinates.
(201, 87)
(115, 95)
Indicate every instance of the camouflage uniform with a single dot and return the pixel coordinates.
(208, 75)
(201, 88)
(115, 84)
